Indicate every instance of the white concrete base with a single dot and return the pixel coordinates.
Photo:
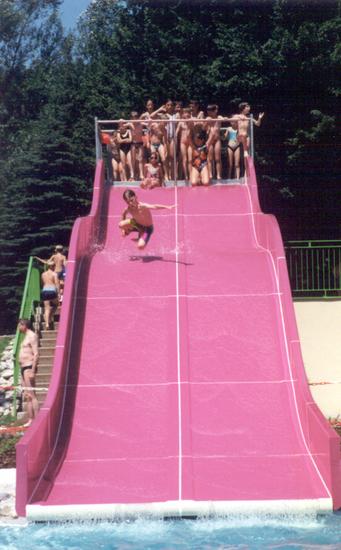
(179, 508)
(7, 495)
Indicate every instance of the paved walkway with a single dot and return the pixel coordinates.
(319, 327)
(7, 499)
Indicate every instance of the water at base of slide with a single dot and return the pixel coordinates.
(286, 533)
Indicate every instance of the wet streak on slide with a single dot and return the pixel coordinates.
(184, 386)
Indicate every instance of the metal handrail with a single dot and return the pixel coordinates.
(176, 120)
(31, 296)
(99, 123)
(314, 268)
(314, 243)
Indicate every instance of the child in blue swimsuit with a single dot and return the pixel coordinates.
(233, 149)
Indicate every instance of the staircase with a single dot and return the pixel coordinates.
(47, 344)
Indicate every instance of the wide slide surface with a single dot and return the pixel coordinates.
(184, 391)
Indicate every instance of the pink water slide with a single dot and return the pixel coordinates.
(178, 387)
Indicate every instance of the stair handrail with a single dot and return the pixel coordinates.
(31, 296)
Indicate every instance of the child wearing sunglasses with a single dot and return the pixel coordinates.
(153, 173)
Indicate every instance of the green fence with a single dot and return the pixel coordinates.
(31, 297)
(314, 268)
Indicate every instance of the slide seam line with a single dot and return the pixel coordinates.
(178, 347)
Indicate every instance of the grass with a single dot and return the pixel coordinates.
(7, 450)
(7, 420)
(8, 442)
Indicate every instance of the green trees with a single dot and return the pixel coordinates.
(44, 180)
(281, 56)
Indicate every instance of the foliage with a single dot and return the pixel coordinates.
(4, 341)
(8, 442)
(7, 450)
(282, 56)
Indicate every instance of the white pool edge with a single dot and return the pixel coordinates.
(173, 509)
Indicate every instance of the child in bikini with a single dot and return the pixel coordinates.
(116, 162)
(244, 125)
(140, 217)
(233, 149)
(157, 140)
(196, 113)
(194, 107)
(137, 145)
(178, 108)
(150, 108)
(153, 175)
(213, 129)
(124, 140)
(184, 130)
(200, 146)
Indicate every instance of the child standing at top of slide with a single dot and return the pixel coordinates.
(140, 219)
(243, 119)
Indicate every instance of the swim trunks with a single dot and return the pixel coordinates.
(145, 231)
(48, 293)
(233, 145)
(155, 147)
(61, 274)
(22, 369)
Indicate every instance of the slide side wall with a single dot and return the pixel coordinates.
(321, 439)
(36, 449)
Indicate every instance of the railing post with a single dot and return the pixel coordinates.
(252, 151)
(174, 155)
(98, 142)
(31, 295)
(316, 268)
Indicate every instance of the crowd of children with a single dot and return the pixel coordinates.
(177, 142)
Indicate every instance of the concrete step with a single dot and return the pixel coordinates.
(55, 326)
(46, 361)
(45, 366)
(46, 352)
(40, 318)
(43, 348)
(47, 346)
(40, 308)
(48, 337)
(43, 379)
(45, 369)
(50, 334)
(47, 343)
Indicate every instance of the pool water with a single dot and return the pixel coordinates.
(300, 532)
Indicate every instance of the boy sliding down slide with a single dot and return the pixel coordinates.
(141, 217)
